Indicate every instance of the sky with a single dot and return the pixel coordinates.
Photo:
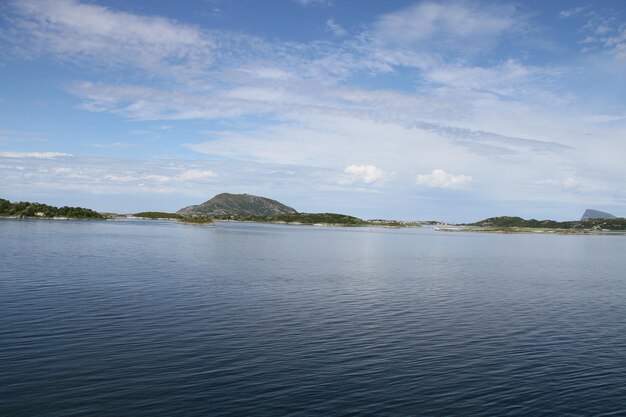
(414, 110)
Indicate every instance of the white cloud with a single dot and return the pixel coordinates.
(145, 103)
(615, 41)
(592, 188)
(141, 177)
(156, 178)
(438, 19)
(571, 12)
(567, 183)
(328, 106)
(185, 182)
(335, 28)
(314, 2)
(196, 174)
(510, 78)
(35, 155)
(441, 179)
(280, 102)
(114, 145)
(430, 34)
(120, 178)
(74, 30)
(257, 76)
(366, 173)
(268, 72)
(604, 30)
(619, 51)
(325, 139)
(603, 118)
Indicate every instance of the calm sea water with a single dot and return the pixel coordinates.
(157, 318)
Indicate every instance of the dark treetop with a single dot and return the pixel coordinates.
(25, 209)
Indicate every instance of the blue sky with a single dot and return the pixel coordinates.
(448, 110)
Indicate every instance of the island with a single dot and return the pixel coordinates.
(253, 208)
(157, 215)
(25, 209)
(508, 224)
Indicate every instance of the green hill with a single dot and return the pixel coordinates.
(237, 204)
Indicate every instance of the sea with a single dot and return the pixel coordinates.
(156, 318)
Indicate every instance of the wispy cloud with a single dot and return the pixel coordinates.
(510, 78)
(335, 28)
(435, 84)
(324, 3)
(114, 145)
(567, 183)
(87, 32)
(147, 103)
(604, 29)
(572, 12)
(21, 136)
(196, 174)
(33, 155)
(446, 22)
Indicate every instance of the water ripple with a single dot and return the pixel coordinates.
(146, 318)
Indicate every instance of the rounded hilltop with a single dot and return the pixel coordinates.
(238, 204)
(248, 207)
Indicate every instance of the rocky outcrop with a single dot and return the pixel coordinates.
(596, 214)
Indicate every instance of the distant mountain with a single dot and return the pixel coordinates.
(241, 204)
(596, 214)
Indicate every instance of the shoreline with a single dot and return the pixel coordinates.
(440, 228)
(529, 230)
(48, 218)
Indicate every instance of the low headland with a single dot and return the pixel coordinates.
(159, 215)
(321, 219)
(25, 210)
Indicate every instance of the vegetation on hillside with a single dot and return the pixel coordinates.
(318, 218)
(156, 215)
(251, 208)
(25, 209)
(617, 224)
(160, 215)
(241, 204)
(301, 218)
(196, 220)
(393, 223)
